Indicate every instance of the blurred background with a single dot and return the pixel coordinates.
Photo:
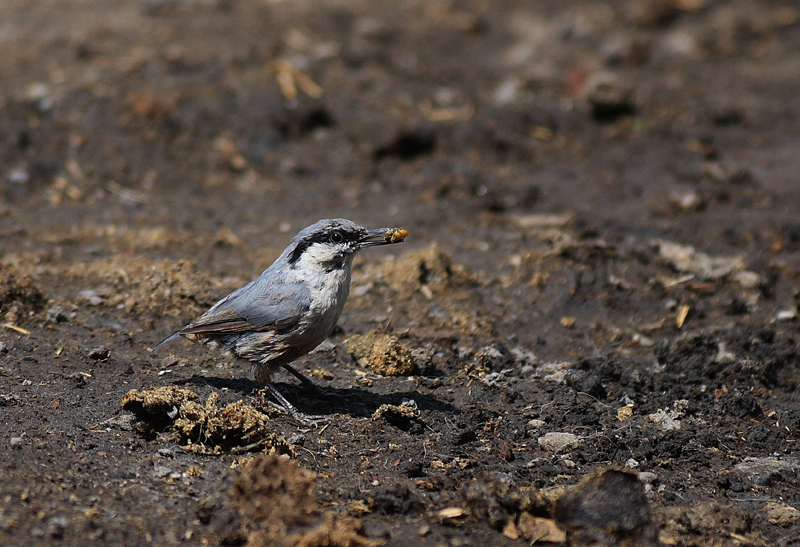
(580, 179)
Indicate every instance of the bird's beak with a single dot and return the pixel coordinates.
(383, 236)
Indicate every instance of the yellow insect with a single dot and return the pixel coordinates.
(395, 235)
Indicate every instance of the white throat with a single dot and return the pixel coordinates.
(321, 258)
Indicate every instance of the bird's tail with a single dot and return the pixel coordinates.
(169, 338)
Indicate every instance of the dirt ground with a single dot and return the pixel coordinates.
(589, 336)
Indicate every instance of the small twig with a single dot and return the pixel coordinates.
(13, 327)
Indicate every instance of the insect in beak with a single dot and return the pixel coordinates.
(383, 236)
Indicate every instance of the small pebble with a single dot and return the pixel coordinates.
(296, 439)
(786, 315)
(647, 477)
(91, 297)
(56, 526)
(18, 176)
(56, 315)
(161, 471)
(555, 441)
(100, 353)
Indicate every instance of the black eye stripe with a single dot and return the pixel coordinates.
(336, 236)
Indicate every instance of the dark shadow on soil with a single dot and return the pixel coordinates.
(353, 401)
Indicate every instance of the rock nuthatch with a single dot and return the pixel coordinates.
(294, 304)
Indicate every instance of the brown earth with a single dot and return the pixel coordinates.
(589, 336)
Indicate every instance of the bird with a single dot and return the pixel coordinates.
(293, 306)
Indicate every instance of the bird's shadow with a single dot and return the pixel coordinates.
(323, 401)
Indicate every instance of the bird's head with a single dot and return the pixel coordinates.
(331, 243)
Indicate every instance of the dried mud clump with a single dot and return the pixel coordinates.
(414, 281)
(278, 492)
(609, 505)
(402, 415)
(201, 428)
(428, 271)
(18, 293)
(277, 498)
(382, 353)
(159, 406)
(333, 532)
(517, 512)
(704, 522)
(139, 285)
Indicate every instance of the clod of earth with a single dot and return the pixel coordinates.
(401, 415)
(382, 353)
(699, 525)
(275, 498)
(430, 271)
(781, 514)
(199, 428)
(423, 276)
(18, 293)
(610, 505)
(540, 529)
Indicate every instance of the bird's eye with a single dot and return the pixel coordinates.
(337, 237)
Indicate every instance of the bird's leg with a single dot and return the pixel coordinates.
(284, 402)
(263, 374)
(293, 412)
(305, 380)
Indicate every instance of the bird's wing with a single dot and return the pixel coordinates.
(254, 307)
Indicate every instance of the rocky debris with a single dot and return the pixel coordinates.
(670, 419)
(685, 258)
(786, 315)
(93, 297)
(56, 314)
(765, 470)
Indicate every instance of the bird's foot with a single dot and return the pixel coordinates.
(285, 406)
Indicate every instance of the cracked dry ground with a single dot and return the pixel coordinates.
(588, 338)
